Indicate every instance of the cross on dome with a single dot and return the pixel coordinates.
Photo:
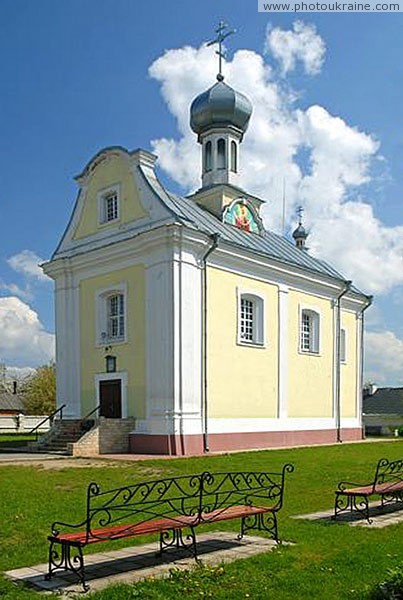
(221, 36)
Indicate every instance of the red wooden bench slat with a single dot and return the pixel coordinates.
(367, 490)
(115, 532)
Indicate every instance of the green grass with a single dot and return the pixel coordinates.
(328, 561)
(15, 440)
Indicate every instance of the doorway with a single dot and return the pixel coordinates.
(110, 398)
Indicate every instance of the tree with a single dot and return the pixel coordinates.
(40, 391)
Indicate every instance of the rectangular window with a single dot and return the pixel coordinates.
(306, 332)
(111, 207)
(247, 320)
(116, 316)
(342, 345)
(309, 332)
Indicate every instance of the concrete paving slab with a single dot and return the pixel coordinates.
(380, 516)
(129, 565)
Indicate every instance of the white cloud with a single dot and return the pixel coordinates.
(27, 263)
(301, 44)
(383, 358)
(19, 373)
(16, 290)
(327, 180)
(23, 339)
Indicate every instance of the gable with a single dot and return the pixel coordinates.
(111, 173)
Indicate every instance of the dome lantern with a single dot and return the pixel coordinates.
(220, 116)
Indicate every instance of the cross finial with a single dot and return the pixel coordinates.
(300, 212)
(221, 36)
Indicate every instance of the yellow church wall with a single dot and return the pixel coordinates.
(310, 376)
(348, 369)
(130, 354)
(245, 373)
(113, 170)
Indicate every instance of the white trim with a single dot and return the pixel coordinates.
(244, 425)
(102, 195)
(190, 424)
(120, 375)
(259, 323)
(101, 317)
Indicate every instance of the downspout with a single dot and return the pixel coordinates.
(347, 286)
(361, 378)
(215, 239)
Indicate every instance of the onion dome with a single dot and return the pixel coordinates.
(220, 106)
(300, 234)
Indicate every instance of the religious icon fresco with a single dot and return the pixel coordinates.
(240, 215)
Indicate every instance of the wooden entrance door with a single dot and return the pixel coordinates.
(110, 399)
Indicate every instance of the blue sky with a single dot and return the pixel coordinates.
(79, 75)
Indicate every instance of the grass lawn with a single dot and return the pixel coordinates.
(327, 561)
(14, 440)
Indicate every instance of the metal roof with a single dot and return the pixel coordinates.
(9, 401)
(267, 244)
(385, 401)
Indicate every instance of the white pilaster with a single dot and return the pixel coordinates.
(159, 341)
(68, 345)
(282, 351)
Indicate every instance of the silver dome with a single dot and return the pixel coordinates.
(299, 232)
(220, 106)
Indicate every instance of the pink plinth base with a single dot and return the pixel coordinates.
(186, 445)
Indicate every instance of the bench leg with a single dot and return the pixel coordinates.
(174, 538)
(352, 503)
(262, 522)
(65, 561)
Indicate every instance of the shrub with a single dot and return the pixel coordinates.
(392, 587)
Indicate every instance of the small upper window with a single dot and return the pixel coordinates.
(250, 320)
(108, 205)
(111, 207)
(342, 345)
(309, 331)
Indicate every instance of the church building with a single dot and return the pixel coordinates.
(187, 319)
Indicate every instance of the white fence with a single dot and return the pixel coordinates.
(22, 423)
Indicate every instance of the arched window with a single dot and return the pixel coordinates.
(221, 162)
(309, 331)
(234, 157)
(250, 319)
(207, 156)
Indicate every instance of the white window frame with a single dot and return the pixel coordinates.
(343, 345)
(103, 338)
(103, 196)
(315, 324)
(259, 318)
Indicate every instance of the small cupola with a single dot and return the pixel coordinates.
(220, 116)
(300, 234)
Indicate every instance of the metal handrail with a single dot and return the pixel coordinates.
(86, 418)
(91, 413)
(49, 418)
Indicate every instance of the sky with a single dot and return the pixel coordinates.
(327, 127)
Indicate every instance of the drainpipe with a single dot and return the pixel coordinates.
(361, 378)
(347, 286)
(214, 239)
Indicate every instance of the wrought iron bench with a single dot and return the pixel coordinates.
(387, 483)
(167, 507)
